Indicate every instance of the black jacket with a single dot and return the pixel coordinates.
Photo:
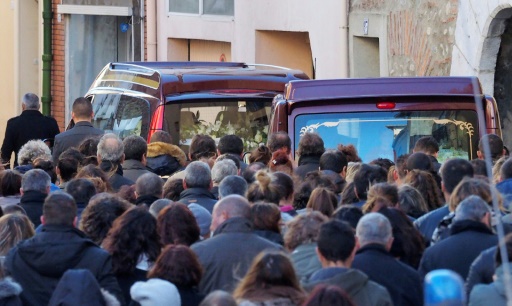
(132, 169)
(466, 241)
(227, 256)
(200, 196)
(126, 281)
(482, 269)
(307, 164)
(38, 263)
(30, 125)
(116, 180)
(32, 201)
(73, 138)
(403, 283)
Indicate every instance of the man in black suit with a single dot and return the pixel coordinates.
(30, 125)
(82, 115)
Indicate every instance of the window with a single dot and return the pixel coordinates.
(203, 7)
(391, 134)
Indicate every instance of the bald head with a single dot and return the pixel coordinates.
(232, 206)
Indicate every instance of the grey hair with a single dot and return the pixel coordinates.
(232, 184)
(235, 206)
(110, 148)
(198, 174)
(32, 150)
(35, 180)
(373, 228)
(30, 100)
(149, 184)
(158, 206)
(223, 168)
(471, 208)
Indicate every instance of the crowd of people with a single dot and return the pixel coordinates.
(106, 221)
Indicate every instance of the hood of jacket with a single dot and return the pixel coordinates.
(352, 281)
(9, 288)
(160, 148)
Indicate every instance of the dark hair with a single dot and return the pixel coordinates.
(336, 240)
(132, 235)
(411, 202)
(231, 144)
(135, 147)
(279, 140)
(89, 147)
(232, 157)
(59, 208)
(176, 224)
(82, 190)
(161, 136)
(97, 176)
(400, 166)
(250, 171)
(284, 184)
(322, 200)
(68, 168)
(179, 265)
(149, 184)
(10, 182)
(47, 166)
(367, 176)
(260, 154)
(479, 167)
(506, 169)
(72, 153)
(384, 163)
(348, 213)
(419, 161)
(427, 145)
(333, 160)
(311, 144)
(495, 145)
(232, 184)
(303, 229)
(82, 108)
(425, 183)
(328, 295)
(266, 216)
(385, 190)
(453, 171)
(262, 190)
(202, 146)
(348, 195)
(280, 162)
(172, 189)
(311, 181)
(350, 152)
(100, 213)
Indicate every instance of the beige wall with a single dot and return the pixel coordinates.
(28, 52)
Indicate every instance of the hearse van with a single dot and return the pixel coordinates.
(188, 98)
(384, 117)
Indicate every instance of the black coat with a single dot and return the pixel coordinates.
(227, 256)
(190, 296)
(133, 169)
(482, 269)
(30, 125)
(126, 281)
(466, 241)
(38, 263)
(32, 201)
(73, 137)
(307, 164)
(116, 180)
(200, 196)
(402, 282)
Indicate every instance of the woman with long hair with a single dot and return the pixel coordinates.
(322, 200)
(271, 280)
(13, 229)
(176, 224)
(426, 184)
(266, 219)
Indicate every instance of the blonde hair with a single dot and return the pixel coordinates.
(13, 229)
(473, 186)
(352, 169)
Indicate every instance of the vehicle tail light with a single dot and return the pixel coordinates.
(386, 105)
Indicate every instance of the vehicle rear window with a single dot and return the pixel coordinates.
(246, 118)
(394, 133)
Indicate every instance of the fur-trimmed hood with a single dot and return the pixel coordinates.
(9, 288)
(160, 148)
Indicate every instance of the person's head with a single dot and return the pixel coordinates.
(311, 181)
(427, 145)
(495, 146)
(233, 206)
(149, 184)
(230, 157)
(472, 186)
(177, 225)
(35, 180)
(350, 153)
(32, 150)
(82, 110)
(426, 184)
(348, 213)
(279, 141)
(401, 168)
(453, 171)
(374, 228)
(303, 229)
(411, 202)
(367, 176)
(179, 265)
(203, 219)
(161, 136)
(73, 153)
(89, 148)
(479, 167)
(333, 160)
(99, 215)
(218, 298)
(111, 149)
(47, 166)
(10, 182)
(250, 171)
(280, 161)
(268, 269)
(158, 206)
(82, 190)
(232, 184)
(508, 246)
(13, 209)
(496, 169)
(67, 168)
(59, 208)
(202, 147)
(13, 229)
(328, 295)
(172, 189)
(284, 184)
(384, 163)
(222, 169)
(260, 154)
(135, 147)
(197, 175)
(263, 190)
(30, 101)
(419, 161)
(352, 169)
(336, 244)
(506, 170)
(385, 190)
(473, 208)
(266, 217)
(231, 144)
(97, 176)
(322, 200)
(311, 144)
(132, 235)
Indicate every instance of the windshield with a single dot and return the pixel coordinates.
(246, 118)
(392, 134)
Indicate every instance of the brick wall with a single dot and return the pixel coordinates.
(58, 68)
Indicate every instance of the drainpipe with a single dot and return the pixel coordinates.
(46, 98)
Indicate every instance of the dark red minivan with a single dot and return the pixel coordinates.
(383, 117)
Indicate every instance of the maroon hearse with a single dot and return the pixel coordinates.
(188, 98)
(383, 117)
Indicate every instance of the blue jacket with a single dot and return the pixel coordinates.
(505, 188)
